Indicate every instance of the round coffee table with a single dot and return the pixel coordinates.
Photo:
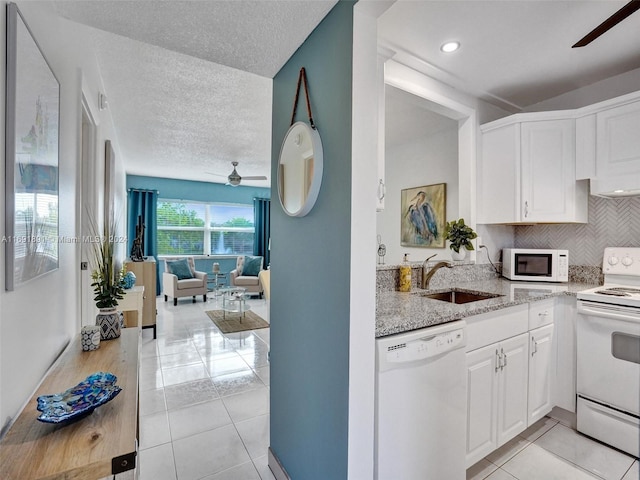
(234, 301)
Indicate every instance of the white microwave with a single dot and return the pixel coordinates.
(535, 264)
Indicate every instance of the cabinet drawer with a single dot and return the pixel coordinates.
(494, 326)
(541, 313)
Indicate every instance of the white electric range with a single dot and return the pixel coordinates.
(608, 353)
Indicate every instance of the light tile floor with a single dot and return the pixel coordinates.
(204, 397)
(549, 450)
(204, 411)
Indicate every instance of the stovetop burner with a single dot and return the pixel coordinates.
(624, 289)
(612, 293)
(621, 268)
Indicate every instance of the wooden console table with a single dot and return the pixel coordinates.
(101, 444)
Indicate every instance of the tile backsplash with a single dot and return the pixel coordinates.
(612, 223)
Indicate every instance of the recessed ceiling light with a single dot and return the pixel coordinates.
(450, 47)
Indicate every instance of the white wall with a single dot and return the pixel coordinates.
(596, 92)
(38, 319)
(427, 160)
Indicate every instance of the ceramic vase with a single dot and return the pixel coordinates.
(109, 322)
(459, 256)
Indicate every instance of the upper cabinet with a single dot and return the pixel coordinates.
(527, 172)
(612, 147)
(384, 54)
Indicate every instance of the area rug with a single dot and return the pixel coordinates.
(235, 323)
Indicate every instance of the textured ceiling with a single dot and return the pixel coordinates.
(180, 117)
(253, 36)
(189, 82)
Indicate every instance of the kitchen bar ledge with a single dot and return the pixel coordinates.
(398, 312)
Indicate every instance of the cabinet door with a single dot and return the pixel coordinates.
(540, 360)
(499, 174)
(512, 387)
(618, 142)
(380, 194)
(548, 171)
(482, 384)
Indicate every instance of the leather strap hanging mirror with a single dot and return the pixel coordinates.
(300, 164)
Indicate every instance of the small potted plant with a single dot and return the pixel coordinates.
(459, 235)
(108, 283)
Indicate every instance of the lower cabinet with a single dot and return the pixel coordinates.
(496, 395)
(540, 372)
(511, 358)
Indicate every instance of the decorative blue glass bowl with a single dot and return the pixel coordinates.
(80, 400)
(129, 280)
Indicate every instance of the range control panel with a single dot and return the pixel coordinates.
(621, 261)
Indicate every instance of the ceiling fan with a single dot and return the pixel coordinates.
(609, 23)
(234, 177)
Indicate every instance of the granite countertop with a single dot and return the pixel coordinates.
(398, 312)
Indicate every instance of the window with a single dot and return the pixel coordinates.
(203, 229)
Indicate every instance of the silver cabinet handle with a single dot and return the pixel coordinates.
(535, 346)
(498, 363)
(381, 190)
(526, 209)
(543, 314)
(504, 356)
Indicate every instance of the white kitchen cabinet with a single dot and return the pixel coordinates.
(617, 140)
(617, 150)
(512, 388)
(527, 172)
(540, 401)
(482, 402)
(384, 54)
(496, 395)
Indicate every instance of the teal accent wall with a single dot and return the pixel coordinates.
(198, 191)
(201, 192)
(310, 258)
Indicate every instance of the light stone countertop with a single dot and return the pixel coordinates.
(398, 312)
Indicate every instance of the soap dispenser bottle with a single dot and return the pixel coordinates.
(405, 274)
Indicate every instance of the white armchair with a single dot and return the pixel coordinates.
(249, 280)
(180, 280)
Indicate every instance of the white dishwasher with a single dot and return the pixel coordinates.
(421, 404)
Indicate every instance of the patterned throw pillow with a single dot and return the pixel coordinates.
(180, 268)
(252, 266)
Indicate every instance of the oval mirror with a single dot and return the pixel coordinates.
(299, 169)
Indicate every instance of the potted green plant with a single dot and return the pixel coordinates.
(459, 235)
(108, 282)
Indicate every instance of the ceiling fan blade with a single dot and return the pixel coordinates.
(259, 177)
(609, 23)
(215, 174)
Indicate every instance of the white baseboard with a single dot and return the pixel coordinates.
(565, 417)
(276, 467)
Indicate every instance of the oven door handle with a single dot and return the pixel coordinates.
(616, 312)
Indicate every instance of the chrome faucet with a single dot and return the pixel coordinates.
(426, 276)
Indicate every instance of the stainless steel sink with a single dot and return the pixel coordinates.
(454, 296)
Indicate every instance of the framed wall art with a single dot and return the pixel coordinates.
(31, 152)
(422, 216)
